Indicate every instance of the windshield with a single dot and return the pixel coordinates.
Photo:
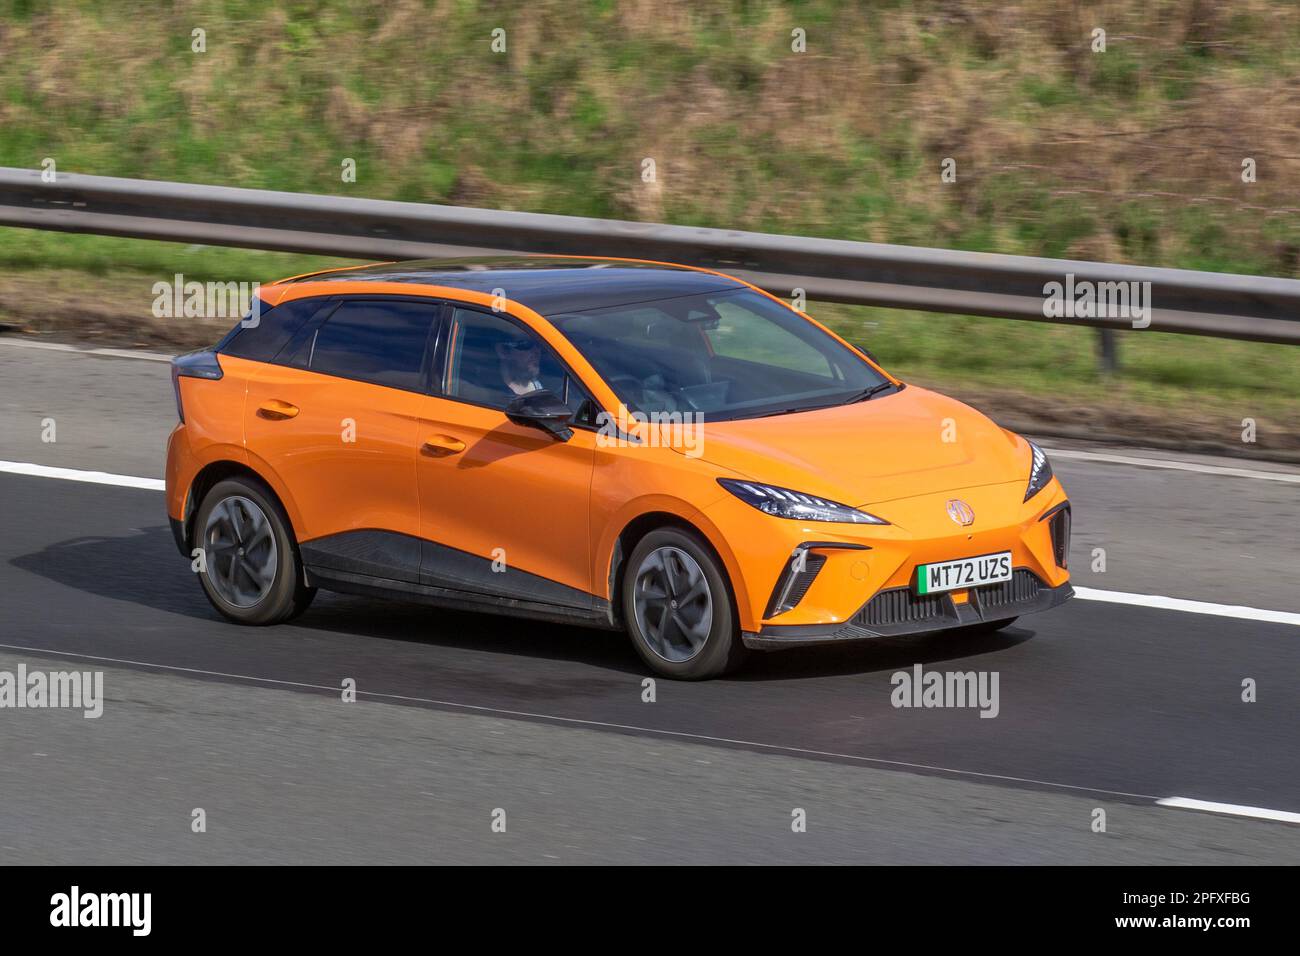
(732, 354)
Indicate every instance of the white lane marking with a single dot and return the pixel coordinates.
(1220, 470)
(1179, 803)
(76, 474)
(1261, 813)
(1195, 607)
(1232, 809)
(578, 721)
(101, 352)
(1087, 594)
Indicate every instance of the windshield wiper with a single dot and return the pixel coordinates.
(861, 396)
(869, 393)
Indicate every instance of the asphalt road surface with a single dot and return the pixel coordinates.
(464, 719)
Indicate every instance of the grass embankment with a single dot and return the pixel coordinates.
(1131, 155)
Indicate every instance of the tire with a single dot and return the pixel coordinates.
(679, 609)
(251, 570)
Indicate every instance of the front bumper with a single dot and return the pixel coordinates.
(804, 574)
(899, 611)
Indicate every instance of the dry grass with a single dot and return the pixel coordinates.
(1133, 154)
(1129, 155)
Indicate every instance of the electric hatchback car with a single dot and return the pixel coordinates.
(616, 443)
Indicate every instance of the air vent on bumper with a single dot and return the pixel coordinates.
(800, 571)
(1058, 520)
(794, 582)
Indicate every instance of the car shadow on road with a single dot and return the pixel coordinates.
(878, 654)
(415, 622)
(144, 568)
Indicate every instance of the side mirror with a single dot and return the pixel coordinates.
(542, 410)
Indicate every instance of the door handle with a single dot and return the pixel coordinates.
(277, 411)
(444, 445)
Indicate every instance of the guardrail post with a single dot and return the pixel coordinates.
(1107, 352)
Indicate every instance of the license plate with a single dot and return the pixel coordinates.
(963, 573)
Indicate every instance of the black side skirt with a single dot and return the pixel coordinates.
(349, 583)
(385, 563)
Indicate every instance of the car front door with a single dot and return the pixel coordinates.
(505, 507)
(336, 418)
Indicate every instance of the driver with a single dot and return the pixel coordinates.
(520, 361)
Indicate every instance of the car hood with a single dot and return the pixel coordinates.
(907, 443)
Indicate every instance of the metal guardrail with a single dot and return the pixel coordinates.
(865, 273)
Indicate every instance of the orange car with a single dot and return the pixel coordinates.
(606, 442)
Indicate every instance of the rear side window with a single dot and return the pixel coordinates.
(260, 339)
(375, 341)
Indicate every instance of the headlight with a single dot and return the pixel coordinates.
(1040, 472)
(784, 503)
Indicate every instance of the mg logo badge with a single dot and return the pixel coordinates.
(960, 512)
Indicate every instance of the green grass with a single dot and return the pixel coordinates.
(23, 250)
(1157, 369)
(842, 141)
(1132, 155)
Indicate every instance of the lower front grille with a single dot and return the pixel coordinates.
(904, 606)
(1023, 586)
(900, 606)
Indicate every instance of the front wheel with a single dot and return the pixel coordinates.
(678, 607)
(250, 569)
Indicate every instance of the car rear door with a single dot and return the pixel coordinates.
(505, 508)
(335, 418)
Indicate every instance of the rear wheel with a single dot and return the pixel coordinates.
(678, 607)
(251, 571)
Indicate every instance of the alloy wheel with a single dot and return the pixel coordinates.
(240, 552)
(674, 608)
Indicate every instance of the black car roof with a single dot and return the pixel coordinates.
(547, 285)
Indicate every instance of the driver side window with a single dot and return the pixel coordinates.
(492, 361)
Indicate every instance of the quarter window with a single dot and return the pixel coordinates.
(374, 341)
(262, 338)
